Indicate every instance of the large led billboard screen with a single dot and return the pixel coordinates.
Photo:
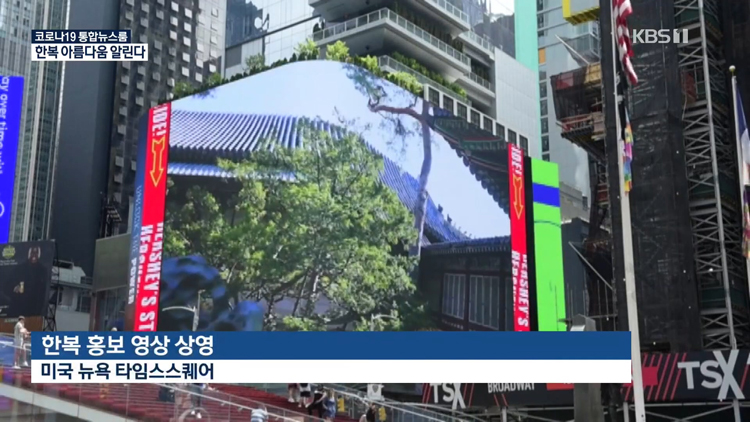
(11, 108)
(302, 197)
(25, 276)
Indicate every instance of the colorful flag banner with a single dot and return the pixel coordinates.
(744, 141)
(627, 155)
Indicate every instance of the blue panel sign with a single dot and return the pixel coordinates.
(11, 103)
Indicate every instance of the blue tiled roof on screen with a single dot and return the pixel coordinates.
(200, 136)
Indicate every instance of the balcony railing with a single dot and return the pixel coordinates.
(481, 81)
(480, 40)
(453, 10)
(387, 14)
(387, 61)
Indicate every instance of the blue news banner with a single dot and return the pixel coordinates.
(331, 357)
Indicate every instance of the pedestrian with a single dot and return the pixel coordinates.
(317, 403)
(196, 399)
(305, 394)
(293, 390)
(329, 405)
(259, 414)
(372, 413)
(19, 337)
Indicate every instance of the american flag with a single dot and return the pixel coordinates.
(621, 9)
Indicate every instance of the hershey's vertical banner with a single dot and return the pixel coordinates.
(519, 260)
(151, 229)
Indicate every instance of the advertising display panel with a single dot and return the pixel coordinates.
(286, 201)
(11, 109)
(25, 275)
(550, 279)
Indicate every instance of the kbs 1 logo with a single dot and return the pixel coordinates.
(659, 36)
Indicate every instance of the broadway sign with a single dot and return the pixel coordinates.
(676, 377)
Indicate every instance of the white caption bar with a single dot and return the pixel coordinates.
(337, 371)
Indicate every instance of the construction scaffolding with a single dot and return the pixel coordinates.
(711, 166)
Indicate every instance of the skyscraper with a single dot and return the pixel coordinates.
(103, 104)
(186, 42)
(38, 141)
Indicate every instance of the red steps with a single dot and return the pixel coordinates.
(270, 399)
(139, 401)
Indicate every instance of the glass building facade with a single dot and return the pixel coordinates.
(272, 28)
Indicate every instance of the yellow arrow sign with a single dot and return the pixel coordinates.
(518, 198)
(158, 147)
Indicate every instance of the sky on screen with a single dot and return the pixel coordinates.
(291, 91)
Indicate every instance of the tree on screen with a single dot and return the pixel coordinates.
(305, 225)
(400, 112)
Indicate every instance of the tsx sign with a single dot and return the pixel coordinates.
(675, 377)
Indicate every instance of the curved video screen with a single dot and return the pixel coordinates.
(315, 196)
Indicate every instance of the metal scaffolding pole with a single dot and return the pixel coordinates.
(627, 245)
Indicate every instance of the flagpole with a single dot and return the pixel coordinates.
(741, 168)
(627, 248)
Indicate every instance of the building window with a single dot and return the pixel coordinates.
(524, 143)
(175, 7)
(545, 125)
(173, 35)
(186, 57)
(454, 294)
(543, 107)
(448, 103)
(487, 124)
(500, 131)
(84, 302)
(187, 27)
(462, 111)
(545, 143)
(433, 96)
(475, 118)
(188, 13)
(542, 75)
(545, 157)
(542, 56)
(484, 301)
(215, 12)
(543, 89)
(512, 137)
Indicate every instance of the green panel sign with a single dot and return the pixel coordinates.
(550, 279)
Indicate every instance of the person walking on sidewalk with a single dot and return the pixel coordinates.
(19, 342)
